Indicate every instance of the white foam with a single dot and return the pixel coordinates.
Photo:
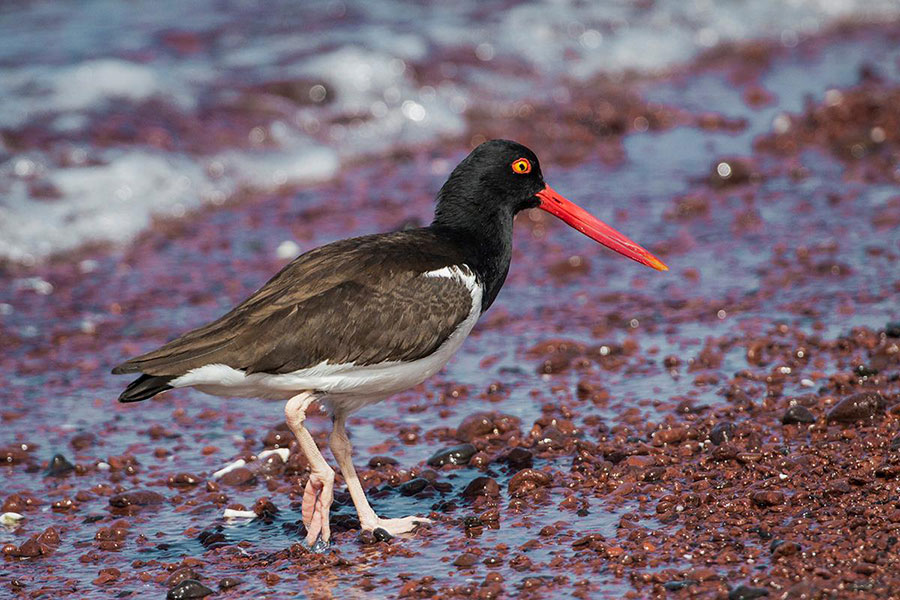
(60, 64)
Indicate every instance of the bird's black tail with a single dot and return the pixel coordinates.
(145, 386)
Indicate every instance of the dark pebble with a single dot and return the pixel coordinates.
(892, 329)
(857, 407)
(229, 582)
(239, 477)
(457, 455)
(784, 548)
(465, 560)
(865, 371)
(519, 458)
(279, 437)
(895, 443)
(181, 575)
(721, 433)
(58, 466)
(381, 534)
(482, 486)
(745, 592)
(381, 461)
(189, 588)
(797, 414)
(526, 481)
(183, 480)
(413, 486)
(674, 586)
(475, 426)
(137, 498)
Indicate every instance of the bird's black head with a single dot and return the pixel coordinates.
(497, 179)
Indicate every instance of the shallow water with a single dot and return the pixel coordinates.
(780, 256)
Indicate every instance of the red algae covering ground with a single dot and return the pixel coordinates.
(730, 429)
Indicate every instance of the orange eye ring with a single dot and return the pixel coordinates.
(521, 166)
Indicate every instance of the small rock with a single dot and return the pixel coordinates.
(381, 535)
(892, 329)
(381, 461)
(475, 426)
(279, 437)
(227, 583)
(674, 586)
(857, 407)
(796, 415)
(465, 560)
(241, 476)
(783, 548)
(518, 458)
(745, 592)
(180, 575)
(58, 466)
(189, 588)
(672, 435)
(457, 455)
(526, 481)
(413, 486)
(721, 433)
(183, 480)
(768, 498)
(136, 498)
(482, 486)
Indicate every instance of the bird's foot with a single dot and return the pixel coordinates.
(394, 527)
(316, 509)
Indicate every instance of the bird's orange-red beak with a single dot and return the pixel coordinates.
(594, 228)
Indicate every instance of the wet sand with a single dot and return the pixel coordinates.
(727, 430)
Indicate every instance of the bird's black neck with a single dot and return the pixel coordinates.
(485, 241)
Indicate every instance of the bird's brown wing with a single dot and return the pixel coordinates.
(362, 300)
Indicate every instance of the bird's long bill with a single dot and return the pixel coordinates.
(594, 228)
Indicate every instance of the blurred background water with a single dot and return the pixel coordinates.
(113, 112)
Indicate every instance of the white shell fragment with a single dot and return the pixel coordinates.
(284, 453)
(10, 518)
(230, 513)
(235, 465)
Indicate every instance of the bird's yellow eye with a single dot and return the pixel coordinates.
(521, 166)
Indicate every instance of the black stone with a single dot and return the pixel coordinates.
(189, 588)
(519, 458)
(797, 414)
(229, 582)
(457, 455)
(381, 534)
(413, 486)
(674, 586)
(745, 592)
(721, 433)
(892, 329)
(58, 466)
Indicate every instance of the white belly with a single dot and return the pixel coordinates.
(348, 387)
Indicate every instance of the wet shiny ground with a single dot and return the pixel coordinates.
(650, 404)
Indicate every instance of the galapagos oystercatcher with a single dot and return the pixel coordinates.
(350, 323)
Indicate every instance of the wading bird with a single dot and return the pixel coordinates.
(355, 321)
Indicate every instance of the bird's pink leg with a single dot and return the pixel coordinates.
(319, 490)
(368, 520)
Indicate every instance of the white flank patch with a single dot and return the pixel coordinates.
(360, 385)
